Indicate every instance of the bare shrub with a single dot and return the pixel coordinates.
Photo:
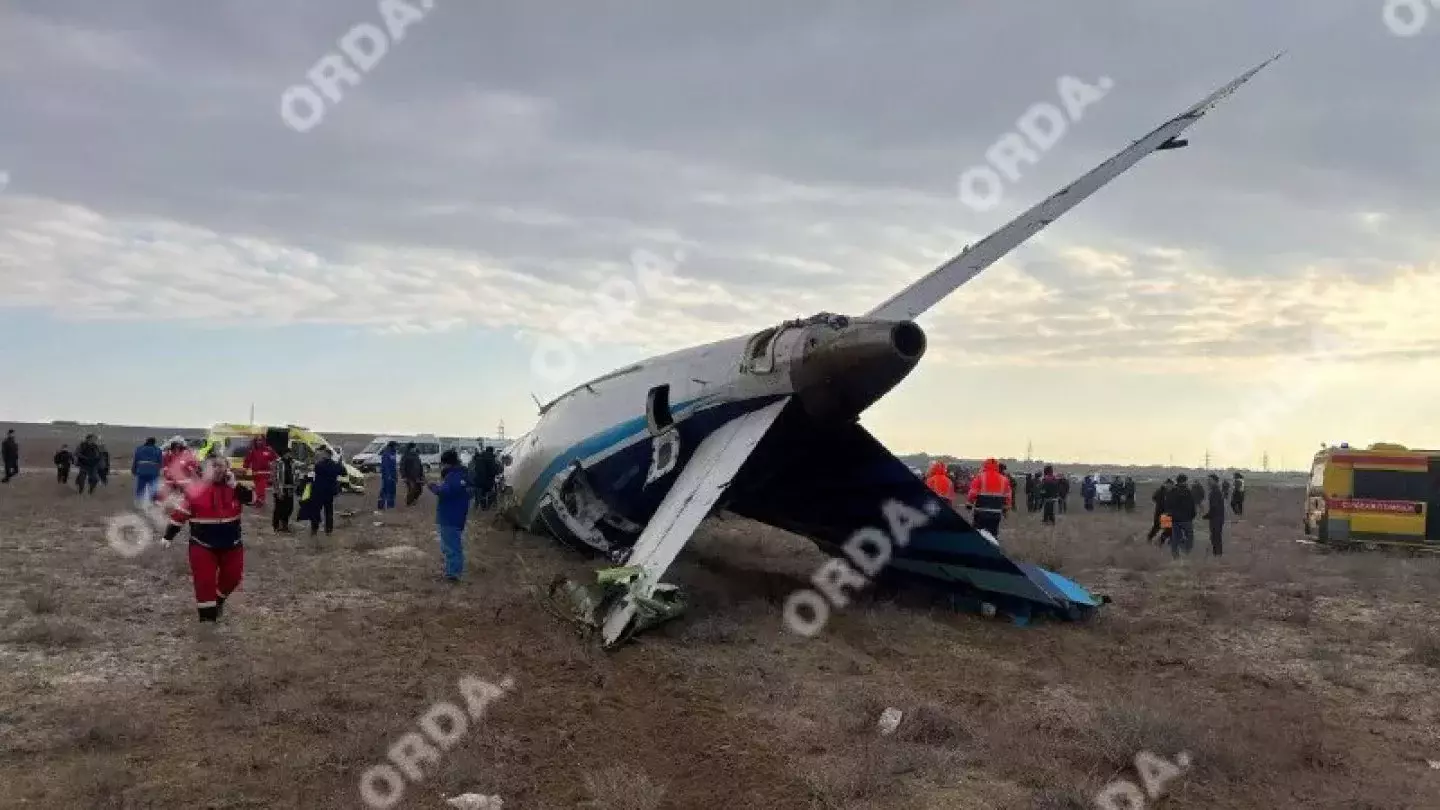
(43, 600)
(49, 632)
(933, 724)
(1425, 650)
(622, 787)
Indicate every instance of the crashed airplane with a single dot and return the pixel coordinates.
(629, 464)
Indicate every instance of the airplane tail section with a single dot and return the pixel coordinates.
(934, 287)
(829, 483)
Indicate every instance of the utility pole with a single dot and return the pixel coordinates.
(1207, 458)
(1265, 461)
(252, 413)
(500, 431)
(1029, 451)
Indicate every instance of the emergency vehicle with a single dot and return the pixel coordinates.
(233, 442)
(1384, 495)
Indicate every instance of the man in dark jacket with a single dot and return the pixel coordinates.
(1049, 493)
(1064, 502)
(285, 478)
(145, 466)
(1215, 513)
(102, 470)
(483, 469)
(1237, 494)
(1159, 498)
(452, 505)
(1180, 504)
(87, 463)
(1129, 494)
(10, 451)
(323, 489)
(389, 477)
(412, 472)
(1197, 491)
(63, 460)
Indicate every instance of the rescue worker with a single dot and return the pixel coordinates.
(87, 462)
(10, 451)
(284, 477)
(145, 466)
(178, 465)
(63, 459)
(1159, 498)
(938, 480)
(258, 462)
(452, 505)
(1087, 492)
(991, 496)
(217, 558)
(1237, 494)
(389, 477)
(1180, 506)
(1215, 513)
(1049, 493)
(412, 471)
(324, 487)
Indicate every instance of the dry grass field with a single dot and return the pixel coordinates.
(1293, 678)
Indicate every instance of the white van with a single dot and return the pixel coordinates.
(368, 459)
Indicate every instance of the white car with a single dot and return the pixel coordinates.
(1102, 488)
(368, 459)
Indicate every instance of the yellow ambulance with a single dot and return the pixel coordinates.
(233, 441)
(1384, 495)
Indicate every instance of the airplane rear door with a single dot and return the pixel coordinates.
(1432, 503)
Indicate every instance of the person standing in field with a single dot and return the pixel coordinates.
(63, 460)
(87, 463)
(1087, 492)
(10, 451)
(103, 468)
(1064, 485)
(285, 480)
(991, 496)
(145, 466)
(1237, 494)
(258, 462)
(1180, 505)
(1049, 493)
(217, 558)
(323, 489)
(412, 470)
(938, 480)
(389, 477)
(452, 505)
(1159, 498)
(1215, 513)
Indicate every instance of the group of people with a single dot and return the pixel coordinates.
(1178, 503)
(90, 460)
(990, 494)
(460, 490)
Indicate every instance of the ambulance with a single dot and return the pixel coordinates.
(1383, 495)
(233, 442)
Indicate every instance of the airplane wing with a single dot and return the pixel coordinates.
(695, 492)
(828, 483)
(932, 289)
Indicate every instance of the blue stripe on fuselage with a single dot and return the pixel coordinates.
(606, 439)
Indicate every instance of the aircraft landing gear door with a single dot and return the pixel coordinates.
(1432, 503)
(665, 446)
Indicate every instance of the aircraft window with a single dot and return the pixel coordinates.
(657, 408)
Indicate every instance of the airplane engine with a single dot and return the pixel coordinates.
(846, 369)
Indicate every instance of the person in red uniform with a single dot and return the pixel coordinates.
(991, 496)
(258, 463)
(178, 466)
(938, 480)
(217, 559)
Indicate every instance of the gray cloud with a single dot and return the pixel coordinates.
(803, 155)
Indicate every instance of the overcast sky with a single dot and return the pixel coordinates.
(171, 250)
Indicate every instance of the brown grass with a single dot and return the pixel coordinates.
(1294, 678)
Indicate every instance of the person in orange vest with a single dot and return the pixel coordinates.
(259, 462)
(938, 480)
(991, 496)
